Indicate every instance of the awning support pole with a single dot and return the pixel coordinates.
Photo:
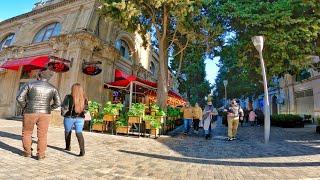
(131, 91)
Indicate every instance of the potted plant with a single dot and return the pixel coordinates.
(154, 109)
(122, 124)
(155, 126)
(98, 123)
(94, 108)
(136, 112)
(97, 118)
(148, 119)
(111, 111)
(160, 116)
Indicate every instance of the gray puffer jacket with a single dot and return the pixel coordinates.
(36, 97)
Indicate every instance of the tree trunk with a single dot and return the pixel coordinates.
(162, 92)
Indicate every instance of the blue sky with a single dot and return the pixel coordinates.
(11, 8)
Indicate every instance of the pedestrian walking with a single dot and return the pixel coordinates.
(207, 118)
(197, 117)
(35, 100)
(252, 117)
(234, 113)
(187, 111)
(74, 107)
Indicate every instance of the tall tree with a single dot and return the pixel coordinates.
(292, 32)
(166, 18)
(291, 29)
(194, 84)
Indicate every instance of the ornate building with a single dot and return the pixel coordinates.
(71, 30)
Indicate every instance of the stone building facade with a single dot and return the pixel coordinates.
(73, 30)
(294, 95)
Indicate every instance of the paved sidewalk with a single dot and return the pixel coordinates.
(291, 154)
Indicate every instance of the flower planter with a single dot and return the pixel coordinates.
(154, 132)
(123, 129)
(109, 118)
(148, 124)
(98, 127)
(160, 119)
(134, 119)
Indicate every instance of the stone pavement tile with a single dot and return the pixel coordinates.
(290, 154)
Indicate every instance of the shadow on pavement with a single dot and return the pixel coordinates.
(227, 163)
(18, 137)
(283, 143)
(62, 150)
(12, 149)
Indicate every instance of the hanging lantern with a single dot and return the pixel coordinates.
(91, 68)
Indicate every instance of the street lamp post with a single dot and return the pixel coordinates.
(225, 83)
(258, 44)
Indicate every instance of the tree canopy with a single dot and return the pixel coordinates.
(174, 22)
(291, 29)
(194, 83)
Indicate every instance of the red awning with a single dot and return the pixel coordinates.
(125, 81)
(120, 75)
(36, 62)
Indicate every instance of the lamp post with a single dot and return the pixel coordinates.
(258, 44)
(225, 83)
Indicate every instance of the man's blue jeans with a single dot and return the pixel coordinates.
(186, 124)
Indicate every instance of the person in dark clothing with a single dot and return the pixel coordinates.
(35, 99)
(260, 117)
(73, 109)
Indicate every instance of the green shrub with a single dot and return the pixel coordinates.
(286, 120)
(173, 112)
(98, 119)
(122, 121)
(137, 109)
(155, 107)
(160, 113)
(112, 109)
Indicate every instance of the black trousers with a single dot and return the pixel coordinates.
(196, 124)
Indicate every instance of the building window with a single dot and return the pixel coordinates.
(47, 32)
(153, 69)
(7, 41)
(123, 47)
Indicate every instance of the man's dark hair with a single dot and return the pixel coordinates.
(45, 74)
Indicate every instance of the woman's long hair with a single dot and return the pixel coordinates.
(79, 97)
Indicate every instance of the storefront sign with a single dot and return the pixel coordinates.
(58, 66)
(91, 68)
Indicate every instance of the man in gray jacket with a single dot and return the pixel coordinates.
(35, 99)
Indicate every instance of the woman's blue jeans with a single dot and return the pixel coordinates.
(186, 124)
(76, 122)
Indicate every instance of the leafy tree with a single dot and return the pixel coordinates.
(291, 29)
(194, 83)
(242, 81)
(172, 21)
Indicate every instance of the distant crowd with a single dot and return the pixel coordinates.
(206, 118)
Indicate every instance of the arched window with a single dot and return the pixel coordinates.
(7, 41)
(123, 47)
(47, 32)
(153, 69)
